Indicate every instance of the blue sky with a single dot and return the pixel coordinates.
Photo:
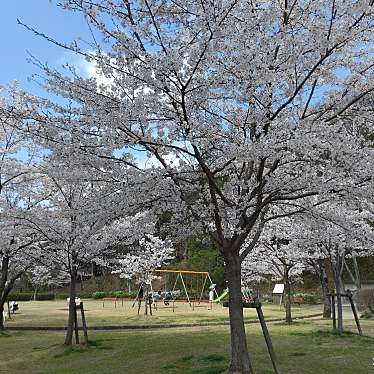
(15, 40)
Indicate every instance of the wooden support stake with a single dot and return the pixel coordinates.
(267, 338)
(333, 311)
(139, 305)
(85, 331)
(349, 294)
(9, 315)
(76, 325)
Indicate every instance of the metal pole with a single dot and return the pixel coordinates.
(202, 289)
(185, 289)
(175, 283)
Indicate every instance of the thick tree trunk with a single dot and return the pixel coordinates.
(2, 326)
(4, 293)
(240, 361)
(3, 288)
(321, 268)
(72, 306)
(287, 300)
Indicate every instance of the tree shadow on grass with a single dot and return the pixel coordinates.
(191, 364)
(98, 344)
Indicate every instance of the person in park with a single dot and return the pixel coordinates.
(211, 298)
(168, 298)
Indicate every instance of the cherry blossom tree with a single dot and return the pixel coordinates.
(337, 233)
(17, 246)
(150, 252)
(41, 275)
(276, 256)
(319, 266)
(77, 221)
(255, 100)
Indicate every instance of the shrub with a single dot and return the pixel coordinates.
(84, 295)
(307, 298)
(118, 294)
(45, 296)
(27, 296)
(99, 295)
(20, 296)
(61, 296)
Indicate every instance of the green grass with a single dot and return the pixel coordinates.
(54, 313)
(303, 348)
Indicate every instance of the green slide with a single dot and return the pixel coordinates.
(223, 296)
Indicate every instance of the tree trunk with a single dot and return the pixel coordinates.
(72, 306)
(287, 299)
(358, 300)
(240, 362)
(321, 269)
(3, 288)
(338, 287)
(2, 326)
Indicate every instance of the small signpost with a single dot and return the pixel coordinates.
(279, 290)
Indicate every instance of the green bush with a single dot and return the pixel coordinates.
(61, 296)
(45, 296)
(117, 294)
(20, 296)
(84, 295)
(27, 296)
(307, 298)
(99, 295)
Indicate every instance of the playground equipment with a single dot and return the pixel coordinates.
(223, 296)
(246, 294)
(193, 284)
(184, 286)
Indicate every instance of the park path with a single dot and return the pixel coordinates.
(154, 327)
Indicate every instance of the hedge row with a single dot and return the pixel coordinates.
(307, 298)
(41, 296)
(27, 296)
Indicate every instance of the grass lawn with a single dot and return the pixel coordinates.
(305, 347)
(54, 313)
